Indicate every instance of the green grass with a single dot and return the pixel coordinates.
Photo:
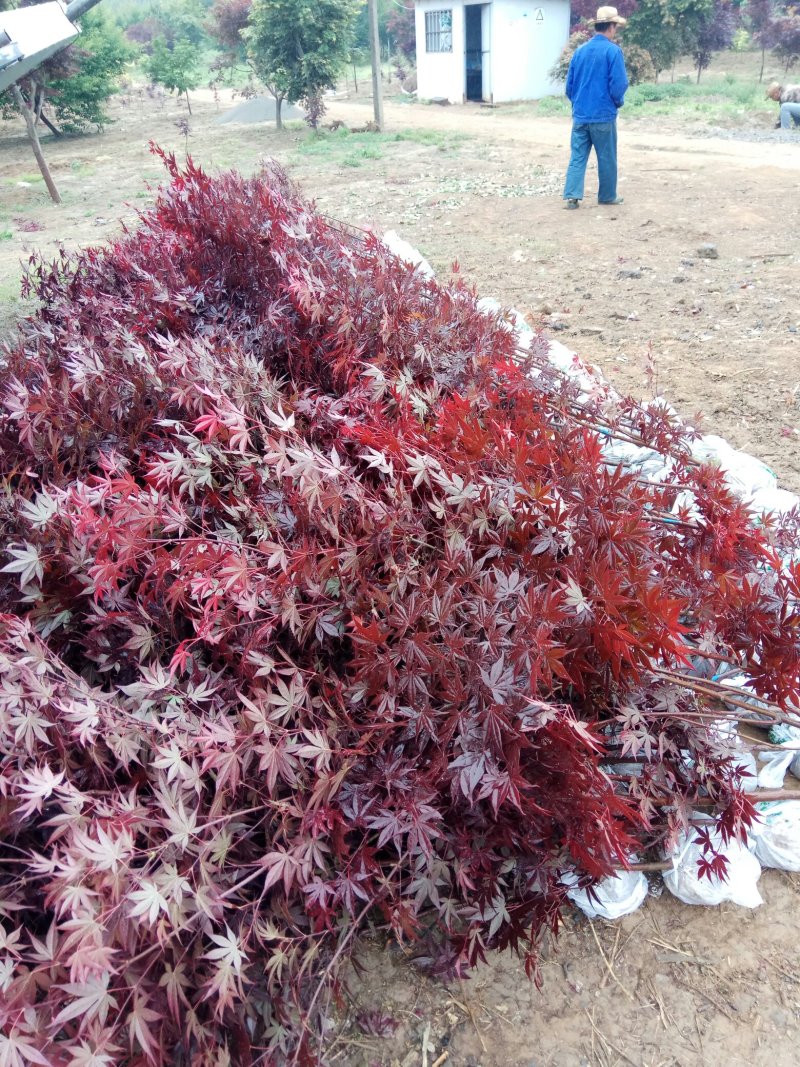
(717, 99)
(714, 98)
(6, 235)
(354, 159)
(554, 105)
(33, 179)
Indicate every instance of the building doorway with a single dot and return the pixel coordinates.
(477, 51)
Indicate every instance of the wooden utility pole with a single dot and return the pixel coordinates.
(375, 52)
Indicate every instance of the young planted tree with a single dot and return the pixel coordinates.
(714, 33)
(787, 38)
(298, 48)
(651, 29)
(175, 67)
(761, 15)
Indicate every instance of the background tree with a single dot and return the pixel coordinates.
(227, 20)
(714, 33)
(653, 29)
(787, 38)
(182, 20)
(68, 93)
(761, 16)
(174, 20)
(175, 68)
(401, 31)
(82, 83)
(299, 47)
(667, 29)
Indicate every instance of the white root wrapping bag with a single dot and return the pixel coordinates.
(685, 883)
(614, 896)
(774, 765)
(777, 837)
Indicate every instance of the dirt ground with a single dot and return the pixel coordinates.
(670, 985)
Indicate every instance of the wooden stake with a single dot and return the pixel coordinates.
(375, 56)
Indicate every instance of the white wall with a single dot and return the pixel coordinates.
(526, 40)
(441, 74)
(525, 47)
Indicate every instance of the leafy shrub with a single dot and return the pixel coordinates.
(320, 601)
(656, 92)
(559, 70)
(95, 63)
(639, 64)
(638, 61)
(75, 84)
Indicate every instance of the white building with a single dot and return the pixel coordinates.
(495, 52)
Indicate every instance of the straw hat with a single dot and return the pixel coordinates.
(609, 14)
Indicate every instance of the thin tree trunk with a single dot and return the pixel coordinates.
(33, 137)
(188, 102)
(355, 77)
(278, 118)
(763, 61)
(51, 126)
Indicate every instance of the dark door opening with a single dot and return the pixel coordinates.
(474, 47)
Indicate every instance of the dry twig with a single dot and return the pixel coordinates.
(608, 965)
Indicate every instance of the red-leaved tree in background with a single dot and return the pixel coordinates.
(226, 21)
(400, 27)
(714, 34)
(787, 38)
(320, 600)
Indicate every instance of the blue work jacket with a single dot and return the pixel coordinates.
(597, 81)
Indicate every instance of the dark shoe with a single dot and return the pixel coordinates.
(571, 204)
(617, 200)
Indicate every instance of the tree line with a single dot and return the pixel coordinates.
(669, 30)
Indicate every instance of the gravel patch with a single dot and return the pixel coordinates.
(758, 136)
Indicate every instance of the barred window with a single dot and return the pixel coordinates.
(439, 31)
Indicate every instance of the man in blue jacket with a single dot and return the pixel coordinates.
(596, 85)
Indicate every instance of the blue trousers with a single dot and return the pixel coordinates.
(602, 136)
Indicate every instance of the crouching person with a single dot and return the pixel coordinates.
(783, 95)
